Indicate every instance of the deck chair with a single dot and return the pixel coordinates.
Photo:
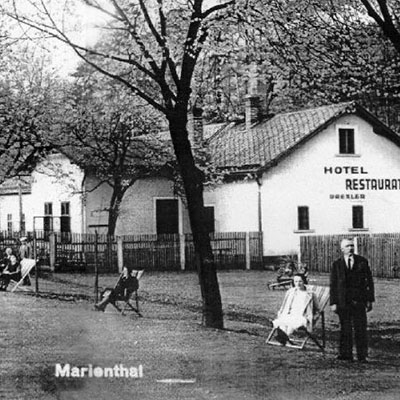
(27, 264)
(321, 298)
(124, 302)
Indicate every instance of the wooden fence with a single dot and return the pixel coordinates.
(81, 252)
(382, 251)
(176, 252)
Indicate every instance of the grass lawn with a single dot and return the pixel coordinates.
(169, 343)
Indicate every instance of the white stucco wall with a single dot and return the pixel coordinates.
(137, 212)
(300, 180)
(235, 206)
(54, 181)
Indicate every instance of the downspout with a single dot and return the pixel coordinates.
(83, 204)
(259, 200)
(260, 224)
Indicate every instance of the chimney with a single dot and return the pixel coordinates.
(252, 100)
(196, 122)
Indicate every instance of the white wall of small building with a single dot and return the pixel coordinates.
(55, 180)
(138, 208)
(235, 206)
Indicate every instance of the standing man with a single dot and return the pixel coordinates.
(351, 297)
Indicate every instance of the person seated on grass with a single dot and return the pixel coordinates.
(297, 310)
(125, 286)
(11, 272)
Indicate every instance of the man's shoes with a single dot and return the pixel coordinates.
(345, 358)
(98, 307)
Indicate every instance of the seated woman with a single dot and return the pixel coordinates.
(296, 311)
(124, 288)
(6, 258)
(11, 271)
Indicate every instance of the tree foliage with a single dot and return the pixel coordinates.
(112, 138)
(155, 48)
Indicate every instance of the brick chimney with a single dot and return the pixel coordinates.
(252, 100)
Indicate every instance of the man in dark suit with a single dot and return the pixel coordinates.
(351, 297)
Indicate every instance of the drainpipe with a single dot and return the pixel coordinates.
(259, 201)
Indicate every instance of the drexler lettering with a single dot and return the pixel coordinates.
(372, 184)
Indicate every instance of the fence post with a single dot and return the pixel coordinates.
(120, 253)
(35, 257)
(52, 250)
(247, 250)
(299, 250)
(356, 244)
(182, 251)
(96, 268)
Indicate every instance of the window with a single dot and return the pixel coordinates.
(303, 220)
(65, 223)
(209, 221)
(9, 223)
(167, 216)
(346, 141)
(48, 217)
(358, 217)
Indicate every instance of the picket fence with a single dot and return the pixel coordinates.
(382, 250)
(85, 252)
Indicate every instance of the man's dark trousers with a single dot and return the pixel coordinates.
(353, 315)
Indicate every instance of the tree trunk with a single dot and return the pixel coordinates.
(114, 208)
(193, 184)
(113, 213)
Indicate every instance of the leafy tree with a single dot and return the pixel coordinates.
(156, 46)
(27, 100)
(112, 138)
(386, 13)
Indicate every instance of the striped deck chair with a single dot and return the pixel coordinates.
(321, 299)
(27, 264)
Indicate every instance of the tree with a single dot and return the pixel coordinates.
(386, 13)
(157, 44)
(27, 100)
(108, 136)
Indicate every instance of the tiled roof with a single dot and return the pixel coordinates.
(269, 140)
(11, 186)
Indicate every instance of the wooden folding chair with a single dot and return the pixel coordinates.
(124, 303)
(27, 264)
(320, 299)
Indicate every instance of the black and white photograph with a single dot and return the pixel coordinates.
(200, 199)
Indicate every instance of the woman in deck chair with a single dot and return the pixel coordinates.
(125, 286)
(297, 310)
(12, 271)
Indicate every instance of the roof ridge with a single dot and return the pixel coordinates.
(301, 111)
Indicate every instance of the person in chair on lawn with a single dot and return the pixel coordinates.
(297, 310)
(12, 271)
(125, 286)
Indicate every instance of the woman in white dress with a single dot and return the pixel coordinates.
(296, 311)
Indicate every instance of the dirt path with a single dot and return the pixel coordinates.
(169, 343)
